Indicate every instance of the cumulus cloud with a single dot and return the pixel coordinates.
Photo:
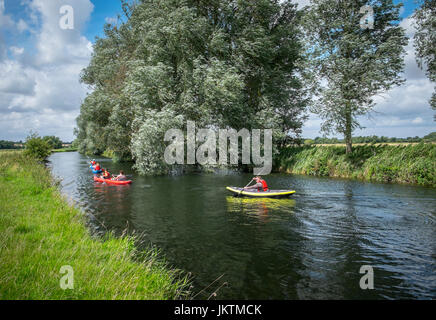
(16, 79)
(41, 91)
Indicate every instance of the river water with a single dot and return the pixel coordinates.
(311, 246)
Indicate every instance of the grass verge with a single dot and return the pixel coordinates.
(64, 150)
(40, 232)
(413, 163)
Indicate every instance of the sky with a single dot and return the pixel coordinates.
(40, 65)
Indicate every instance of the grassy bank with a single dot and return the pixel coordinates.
(40, 233)
(415, 164)
(64, 150)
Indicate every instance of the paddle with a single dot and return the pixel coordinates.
(245, 187)
(127, 176)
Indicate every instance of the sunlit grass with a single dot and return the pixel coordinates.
(40, 233)
(64, 150)
(405, 163)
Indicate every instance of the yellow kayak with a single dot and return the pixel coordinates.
(261, 194)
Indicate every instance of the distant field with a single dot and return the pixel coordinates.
(375, 144)
(54, 150)
(64, 150)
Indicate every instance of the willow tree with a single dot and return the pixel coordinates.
(425, 41)
(220, 63)
(356, 52)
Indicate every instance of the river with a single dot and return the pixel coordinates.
(311, 246)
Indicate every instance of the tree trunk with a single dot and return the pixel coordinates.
(348, 142)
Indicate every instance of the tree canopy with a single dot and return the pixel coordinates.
(223, 64)
(425, 41)
(356, 50)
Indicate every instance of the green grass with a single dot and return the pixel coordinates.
(413, 163)
(40, 233)
(64, 150)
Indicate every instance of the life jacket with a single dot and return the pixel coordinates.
(264, 185)
(97, 168)
(106, 174)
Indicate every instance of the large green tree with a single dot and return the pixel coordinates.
(356, 50)
(228, 63)
(425, 40)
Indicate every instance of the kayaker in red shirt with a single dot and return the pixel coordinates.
(260, 185)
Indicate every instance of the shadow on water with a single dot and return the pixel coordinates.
(309, 246)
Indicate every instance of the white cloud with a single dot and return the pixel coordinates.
(15, 79)
(5, 20)
(417, 120)
(22, 26)
(56, 45)
(16, 51)
(41, 91)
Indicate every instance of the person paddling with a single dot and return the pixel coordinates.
(120, 177)
(260, 185)
(106, 174)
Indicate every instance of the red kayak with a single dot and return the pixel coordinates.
(109, 181)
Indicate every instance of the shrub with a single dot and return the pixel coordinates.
(37, 147)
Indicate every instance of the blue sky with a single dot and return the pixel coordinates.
(40, 66)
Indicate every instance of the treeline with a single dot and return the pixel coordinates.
(52, 141)
(4, 144)
(259, 64)
(372, 139)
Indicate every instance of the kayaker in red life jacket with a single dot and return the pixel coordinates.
(97, 167)
(260, 185)
(120, 177)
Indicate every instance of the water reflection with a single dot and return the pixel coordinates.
(260, 208)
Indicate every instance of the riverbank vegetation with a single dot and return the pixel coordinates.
(40, 233)
(431, 137)
(260, 64)
(70, 149)
(415, 164)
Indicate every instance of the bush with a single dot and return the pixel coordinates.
(37, 147)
